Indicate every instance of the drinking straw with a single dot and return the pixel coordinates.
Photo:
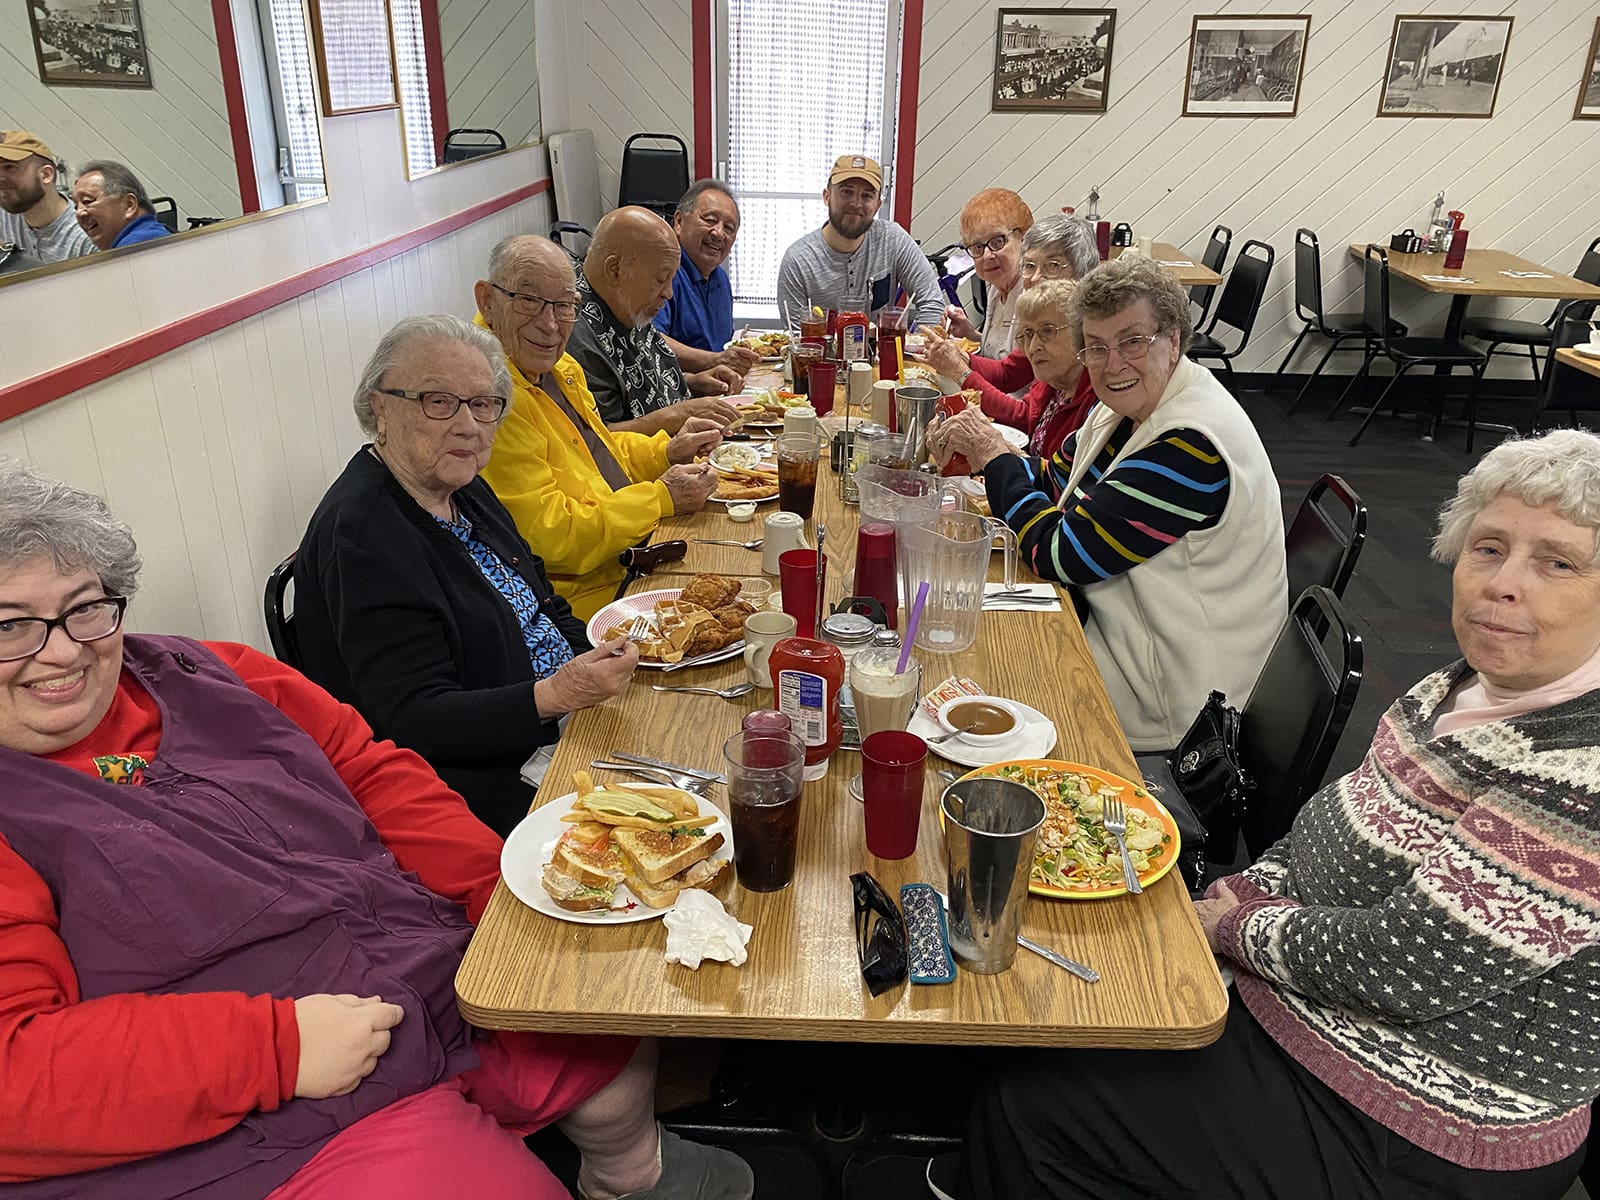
(911, 627)
(822, 533)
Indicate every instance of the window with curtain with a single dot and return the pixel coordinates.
(806, 83)
(299, 97)
(411, 74)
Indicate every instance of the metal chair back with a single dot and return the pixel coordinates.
(1324, 541)
(165, 209)
(463, 144)
(1216, 254)
(1243, 292)
(654, 176)
(280, 616)
(1565, 388)
(1375, 293)
(1308, 278)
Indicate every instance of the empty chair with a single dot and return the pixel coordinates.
(1404, 352)
(463, 144)
(1505, 331)
(1324, 540)
(1339, 327)
(1237, 309)
(280, 622)
(654, 176)
(1563, 387)
(1216, 254)
(165, 209)
(560, 231)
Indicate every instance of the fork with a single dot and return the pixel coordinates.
(639, 630)
(1115, 819)
(687, 783)
(750, 545)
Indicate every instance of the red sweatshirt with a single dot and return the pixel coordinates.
(68, 1105)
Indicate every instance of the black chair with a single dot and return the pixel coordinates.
(654, 176)
(1296, 713)
(1338, 327)
(1404, 352)
(280, 623)
(1563, 387)
(463, 144)
(1324, 541)
(202, 222)
(1239, 305)
(1504, 331)
(1216, 254)
(165, 209)
(561, 230)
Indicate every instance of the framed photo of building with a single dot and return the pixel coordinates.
(1052, 59)
(1444, 66)
(355, 55)
(89, 43)
(1245, 66)
(1589, 90)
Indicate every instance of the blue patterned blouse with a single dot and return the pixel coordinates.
(547, 648)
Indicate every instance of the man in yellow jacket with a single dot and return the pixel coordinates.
(579, 493)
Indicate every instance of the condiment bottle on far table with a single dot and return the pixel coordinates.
(807, 676)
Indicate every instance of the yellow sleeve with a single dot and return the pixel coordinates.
(642, 455)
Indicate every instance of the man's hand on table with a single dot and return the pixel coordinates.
(592, 677)
(698, 435)
(738, 359)
(720, 380)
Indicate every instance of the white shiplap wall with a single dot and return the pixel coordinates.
(174, 135)
(489, 73)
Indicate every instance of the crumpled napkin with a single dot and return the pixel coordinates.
(993, 603)
(698, 928)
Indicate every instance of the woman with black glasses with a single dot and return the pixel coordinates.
(416, 599)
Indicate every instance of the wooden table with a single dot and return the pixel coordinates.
(1588, 364)
(1159, 985)
(1194, 273)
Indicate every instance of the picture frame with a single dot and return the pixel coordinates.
(1245, 66)
(355, 56)
(1052, 59)
(72, 52)
(1444, 66)
(1588, 106)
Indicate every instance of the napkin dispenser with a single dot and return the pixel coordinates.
(1407, 242)
(1122, 234)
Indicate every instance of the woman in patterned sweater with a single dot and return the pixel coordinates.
(1418, 962)
(417, 601)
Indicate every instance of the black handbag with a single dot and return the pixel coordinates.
(1208, 771)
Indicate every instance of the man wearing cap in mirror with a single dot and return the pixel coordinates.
(113, 207)
(855, 263)
(35, 218)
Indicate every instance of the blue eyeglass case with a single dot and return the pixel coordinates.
(927, 935)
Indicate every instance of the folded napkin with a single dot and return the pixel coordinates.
(1528, 274)
(994, 603)
(698, 928)
(1448, 279)
(1175, 262)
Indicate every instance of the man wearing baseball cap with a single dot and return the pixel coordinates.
(855, 263)
(35, 217)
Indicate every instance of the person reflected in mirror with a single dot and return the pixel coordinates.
(35, 217)
(697, 321)
(632, 373)
(113, 208)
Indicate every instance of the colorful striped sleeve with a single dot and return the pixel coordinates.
(1117, 518)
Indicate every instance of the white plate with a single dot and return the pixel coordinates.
(761, 452)
(1013, 437)
(527, 851)
(748, 500)
(1034, 740)
(620, 612)
(1587, 350)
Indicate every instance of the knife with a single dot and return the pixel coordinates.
(706, 657)
(669, 766)
(1087, 974)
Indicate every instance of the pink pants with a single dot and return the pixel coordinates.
(463, 1137)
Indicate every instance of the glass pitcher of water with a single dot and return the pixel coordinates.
(951, 551)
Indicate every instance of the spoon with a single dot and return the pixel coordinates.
(945, 737)
(750, 545)
(727, 693)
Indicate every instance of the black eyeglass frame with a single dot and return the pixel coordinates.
(50, 624)
(534, 306)
(993, 245)
(421, 398)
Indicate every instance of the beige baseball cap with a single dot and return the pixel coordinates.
(18, 144)
(856, 166)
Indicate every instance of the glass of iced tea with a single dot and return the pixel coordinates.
(801, 356)
(813, 326)
(797, 455)
(764, 777)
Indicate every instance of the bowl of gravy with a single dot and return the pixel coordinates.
(981, 720)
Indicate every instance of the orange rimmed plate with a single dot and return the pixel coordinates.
(1133, 796)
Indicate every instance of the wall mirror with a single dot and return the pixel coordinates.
(469, 85)
(201, 60)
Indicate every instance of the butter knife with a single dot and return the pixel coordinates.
(721, 655)
(1087, 974)
(622, 756)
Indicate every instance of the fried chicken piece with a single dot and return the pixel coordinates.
(710, 591)
(731, 616)
(712, 635)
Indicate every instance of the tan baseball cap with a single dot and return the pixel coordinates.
(856, 166)
(18, 144)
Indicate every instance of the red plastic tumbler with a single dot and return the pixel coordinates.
(822, 379)
(892, 764)
(797, 575)
(1457, 254)
(875, 573)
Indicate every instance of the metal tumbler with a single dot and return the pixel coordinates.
(914, 410)
(990, 826)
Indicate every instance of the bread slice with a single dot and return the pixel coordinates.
(598, 867)
(705, 874)
(573, 894)
(658, 854)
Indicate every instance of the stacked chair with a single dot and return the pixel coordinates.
(1239, 305)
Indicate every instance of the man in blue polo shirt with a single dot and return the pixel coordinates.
(698, 321)
(113, 208)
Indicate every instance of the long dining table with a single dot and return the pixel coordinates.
(1159, 985)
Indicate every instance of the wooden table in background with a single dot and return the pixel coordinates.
(1188, 276)
(1159, 985)
(1586, 363)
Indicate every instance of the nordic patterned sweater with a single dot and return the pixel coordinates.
(1425, 939)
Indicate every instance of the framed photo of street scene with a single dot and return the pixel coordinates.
(89, 43)
(1444, 66)
(1589, 90)
(1052, 59)
(1245, 66)
(355, 55)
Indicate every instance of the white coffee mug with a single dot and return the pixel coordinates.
(763, 631)
(783, 531)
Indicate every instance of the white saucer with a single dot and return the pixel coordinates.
(1588, 350)
(1013, 437)
(1034, 740)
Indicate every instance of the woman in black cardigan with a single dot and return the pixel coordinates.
(416, 599)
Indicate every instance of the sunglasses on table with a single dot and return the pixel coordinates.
(23, 637)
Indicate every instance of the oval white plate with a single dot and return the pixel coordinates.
(1034, 740)
(1587, 350)
(1013, 437)
(620, 612)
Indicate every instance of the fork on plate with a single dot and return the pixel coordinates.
(686, 783)
(1115, 819)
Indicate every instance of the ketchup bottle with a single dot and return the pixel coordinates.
(852, 345)
(807, 676)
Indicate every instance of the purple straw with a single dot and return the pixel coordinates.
(911, 627)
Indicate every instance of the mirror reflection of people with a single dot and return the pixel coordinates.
(697, 322)
(35, 217)
(113, 208)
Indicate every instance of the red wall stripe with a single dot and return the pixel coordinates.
(433, 58)
(701, 66)
(905, 158)
(233, 94)
(64, 380)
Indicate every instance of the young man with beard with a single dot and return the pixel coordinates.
(34, 216)
(855, 263)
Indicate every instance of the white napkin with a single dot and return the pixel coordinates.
(1175, 262)
(698, 928)
(994, 603)
(1448, 279)
(1528, 274)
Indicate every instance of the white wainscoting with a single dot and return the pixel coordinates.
(490, 77)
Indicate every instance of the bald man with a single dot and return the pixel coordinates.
(636, 379)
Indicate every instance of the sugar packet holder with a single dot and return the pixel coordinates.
(927, 935)
(951, 689)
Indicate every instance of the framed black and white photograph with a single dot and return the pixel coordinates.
(1589, 90)
(1444, 66)
(1052, 59)
(1245, 66)
(89, 43)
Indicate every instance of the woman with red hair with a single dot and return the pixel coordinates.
(992, 225)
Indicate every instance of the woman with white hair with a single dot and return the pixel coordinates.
(416, 599)
(1417, 961)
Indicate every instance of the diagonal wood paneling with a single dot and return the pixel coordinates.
(491, 81)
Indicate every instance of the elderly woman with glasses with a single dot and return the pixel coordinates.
(993, 224)
(230, 921)
(1413, 1012)
(416, 599)
(1161, 511)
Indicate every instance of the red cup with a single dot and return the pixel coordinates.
(892, 764)
(1102, 239)
(875, 573)
(797, 577)
(821, 380)
(1457, 254)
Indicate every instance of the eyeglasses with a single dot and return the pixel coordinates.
(534, 306)
(1055, 268)
(1132, 349)
(441, 406)
(1044, 333)
(23, 637)
(994, 245)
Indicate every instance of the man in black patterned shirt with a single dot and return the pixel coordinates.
(635, 378)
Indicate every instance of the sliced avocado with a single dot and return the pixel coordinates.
(626, 805)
